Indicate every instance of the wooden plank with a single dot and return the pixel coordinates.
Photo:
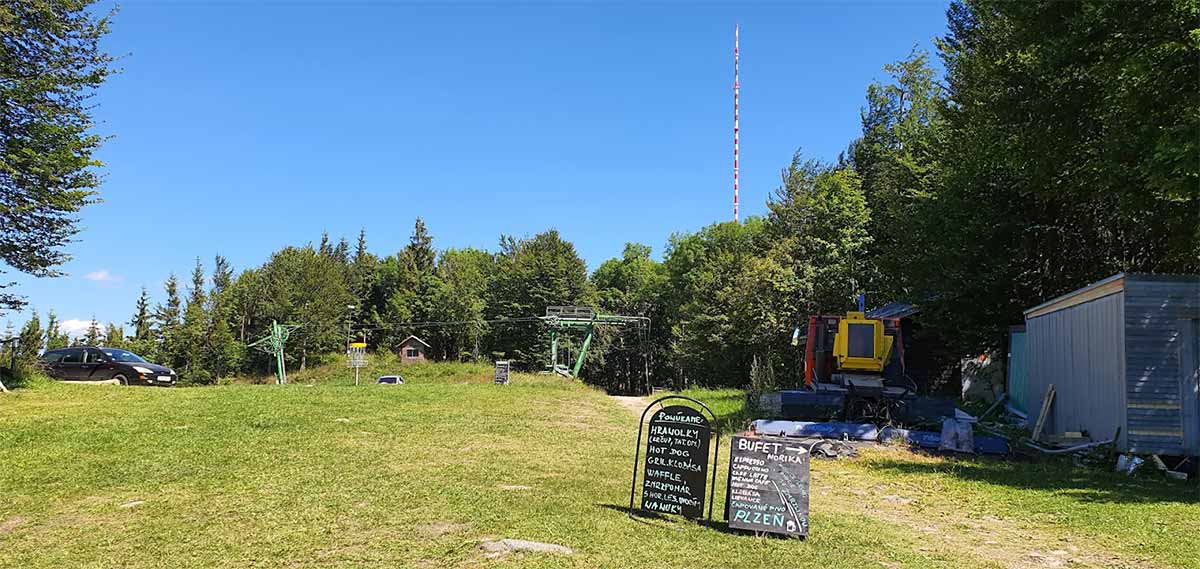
(1041, 420)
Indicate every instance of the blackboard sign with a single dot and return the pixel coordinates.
(674, 479)
(768, 486)
(502, 367)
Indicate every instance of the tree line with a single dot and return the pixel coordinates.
(1058, 147)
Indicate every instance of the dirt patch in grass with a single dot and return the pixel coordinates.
(635, 405)
(950, 528)
(11, 524)
(438, 529)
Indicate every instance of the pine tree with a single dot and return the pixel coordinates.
(30, 341)
(166, 320)
(420, 249)
(222, 275)
(224, 353)
(92, 337)
(54, 337)
(6, 348)
(325, 249)
(193, 344)
(362, 277)
(141, 317)
(342, 251)
(114, 336)
(196, 291)
(51, 63)
(360, 249)
(167, 314)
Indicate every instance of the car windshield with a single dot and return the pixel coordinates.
(124, 356)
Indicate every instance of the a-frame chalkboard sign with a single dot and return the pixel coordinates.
(768, 486)
(674, 474)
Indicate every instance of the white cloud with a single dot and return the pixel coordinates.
(103, 276)
(74, 327)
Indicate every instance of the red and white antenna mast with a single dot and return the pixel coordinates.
(736, 87)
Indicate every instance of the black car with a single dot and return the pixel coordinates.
(104, 364)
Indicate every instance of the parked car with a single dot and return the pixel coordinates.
(105, 364)
(391, 380)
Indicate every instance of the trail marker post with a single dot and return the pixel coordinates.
(356, 357)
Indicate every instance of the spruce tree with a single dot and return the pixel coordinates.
(55, 338)
(342, 251)
(51, 63)
(420, 249)
(92, 336)
(141, 317)
(222, 275)
(30, 341)
(194, 330)
(360, 249)
(325, 249)
(224, 353)
(114, 336)
(166, 322)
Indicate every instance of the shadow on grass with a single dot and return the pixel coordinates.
(669, 522)
(1084, 485)
(639, 515)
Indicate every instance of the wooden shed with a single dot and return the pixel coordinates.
(412, 350)
(1122, 353)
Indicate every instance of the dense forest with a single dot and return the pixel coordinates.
(1058, 146)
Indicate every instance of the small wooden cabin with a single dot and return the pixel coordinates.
(412, 350)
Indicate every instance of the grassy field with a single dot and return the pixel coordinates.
(320, 473)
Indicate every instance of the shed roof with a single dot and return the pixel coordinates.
(412, 338)
(1101, 289)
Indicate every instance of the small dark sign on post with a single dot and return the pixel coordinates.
(675, 472)
(502, 367)
(768, 486)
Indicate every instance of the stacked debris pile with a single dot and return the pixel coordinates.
(869, 433)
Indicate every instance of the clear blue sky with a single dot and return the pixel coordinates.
(240, 128)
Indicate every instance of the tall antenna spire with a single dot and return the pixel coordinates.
(736, 87)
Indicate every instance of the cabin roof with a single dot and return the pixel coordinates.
(412, 339)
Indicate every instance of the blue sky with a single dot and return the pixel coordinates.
(239, 128)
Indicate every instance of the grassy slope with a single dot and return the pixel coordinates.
(1140, 520)
(267, 476)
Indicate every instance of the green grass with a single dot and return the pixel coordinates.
(331, 369)
(729, 405)
(1148, 518)
(416, 475)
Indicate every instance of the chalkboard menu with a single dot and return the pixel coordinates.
(676, 462)
(768, 486)
(502, 367)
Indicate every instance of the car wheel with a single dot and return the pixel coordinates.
(121, 379)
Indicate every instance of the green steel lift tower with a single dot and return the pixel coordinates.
(563, 318)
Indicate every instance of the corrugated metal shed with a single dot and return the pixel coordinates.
(1017, 378)
(1122, 352)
